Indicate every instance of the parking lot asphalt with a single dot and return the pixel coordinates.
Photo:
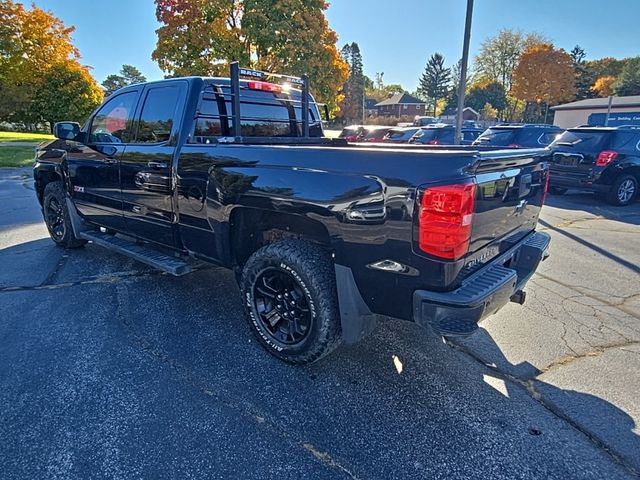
(109, 369)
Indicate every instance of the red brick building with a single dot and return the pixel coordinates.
(400, 105)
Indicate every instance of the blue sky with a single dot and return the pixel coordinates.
(396, 37)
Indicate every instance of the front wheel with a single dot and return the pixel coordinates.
(57, 217)
(289, 294)
(623, 191)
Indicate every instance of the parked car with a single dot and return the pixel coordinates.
(323, 235)
(374, 134)
(441, 134)
(424, 121)
(519, 136)
(352, 132)
(400, 135)
(600, 159)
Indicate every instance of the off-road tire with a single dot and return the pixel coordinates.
(312, 270)
(61, 233)
(614, 195)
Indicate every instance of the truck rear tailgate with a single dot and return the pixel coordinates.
(511, 186)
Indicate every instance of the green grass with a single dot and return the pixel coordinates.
(16, 156)
(24, 137)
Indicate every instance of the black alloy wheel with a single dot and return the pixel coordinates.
(282, 307)
(54, 218)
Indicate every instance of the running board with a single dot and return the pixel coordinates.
(142, 253)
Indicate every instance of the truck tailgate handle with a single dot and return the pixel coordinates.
(157, 164)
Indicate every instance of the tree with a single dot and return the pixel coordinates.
(352, 106)
(584, 75)
(544, 75)
(434, 82)
(628, 83)
(499, 55)
(486, 92)
(604, 86)
(201, 37)
(128, 75)
(31, 42)
(67, 92)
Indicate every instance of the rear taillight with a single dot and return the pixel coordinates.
(446, 212)
(606, 157)
(264, 87)
(435, 141)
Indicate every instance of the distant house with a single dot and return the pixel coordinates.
(593, 111)
(449, 115)
(401, 104)
(370, 109)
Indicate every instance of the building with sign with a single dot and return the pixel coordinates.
(593, 111)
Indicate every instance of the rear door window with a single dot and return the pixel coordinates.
(628, 142)
(158, 111)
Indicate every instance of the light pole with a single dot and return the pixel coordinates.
(463, 71)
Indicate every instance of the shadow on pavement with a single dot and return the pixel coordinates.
(593, 204)
(606, 425)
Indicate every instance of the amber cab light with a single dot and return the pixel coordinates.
(606, 157)
(445, 217)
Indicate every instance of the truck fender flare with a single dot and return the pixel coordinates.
(356, 319)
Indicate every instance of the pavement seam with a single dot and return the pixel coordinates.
(569, 359)
(231, 402)
(529, 387)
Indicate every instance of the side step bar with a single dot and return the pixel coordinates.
(142, 253)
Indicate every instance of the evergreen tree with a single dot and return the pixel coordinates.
(128, 75)
(628, 82)
(585, 78)
(434, 82)
(352, 107)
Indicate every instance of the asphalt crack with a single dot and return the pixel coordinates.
(530, 387)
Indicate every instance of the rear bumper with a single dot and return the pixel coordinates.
(576, 181)
(482, 294)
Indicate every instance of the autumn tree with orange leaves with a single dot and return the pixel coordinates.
(544, 76)
(38, 61)
(201, 37)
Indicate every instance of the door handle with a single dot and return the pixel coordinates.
(110, 160)
(157, 164)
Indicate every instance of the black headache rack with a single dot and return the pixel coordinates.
(274, 80)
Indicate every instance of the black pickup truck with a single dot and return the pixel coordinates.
(324, 236)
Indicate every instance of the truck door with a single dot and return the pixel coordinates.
(94, 166)
(146, 167)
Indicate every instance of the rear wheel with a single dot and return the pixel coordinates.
(289, 294)
(57, 218)
(623, 191)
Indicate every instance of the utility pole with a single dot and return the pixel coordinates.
(463, 72)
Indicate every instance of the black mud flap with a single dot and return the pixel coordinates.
(356, 319)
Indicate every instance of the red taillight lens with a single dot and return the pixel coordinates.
(264, 86)
(435, 141)
(606, 157)
(445, 219)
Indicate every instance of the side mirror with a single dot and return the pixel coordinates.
(66, 130)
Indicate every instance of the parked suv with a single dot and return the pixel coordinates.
(605, 160)
(400, 135)
(519, 136)
(444, 135)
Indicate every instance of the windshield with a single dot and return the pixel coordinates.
(376, 132)
(400, 134)
(584, 140)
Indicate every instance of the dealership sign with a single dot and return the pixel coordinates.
(615, 119)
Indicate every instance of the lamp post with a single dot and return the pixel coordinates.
(463, 71)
